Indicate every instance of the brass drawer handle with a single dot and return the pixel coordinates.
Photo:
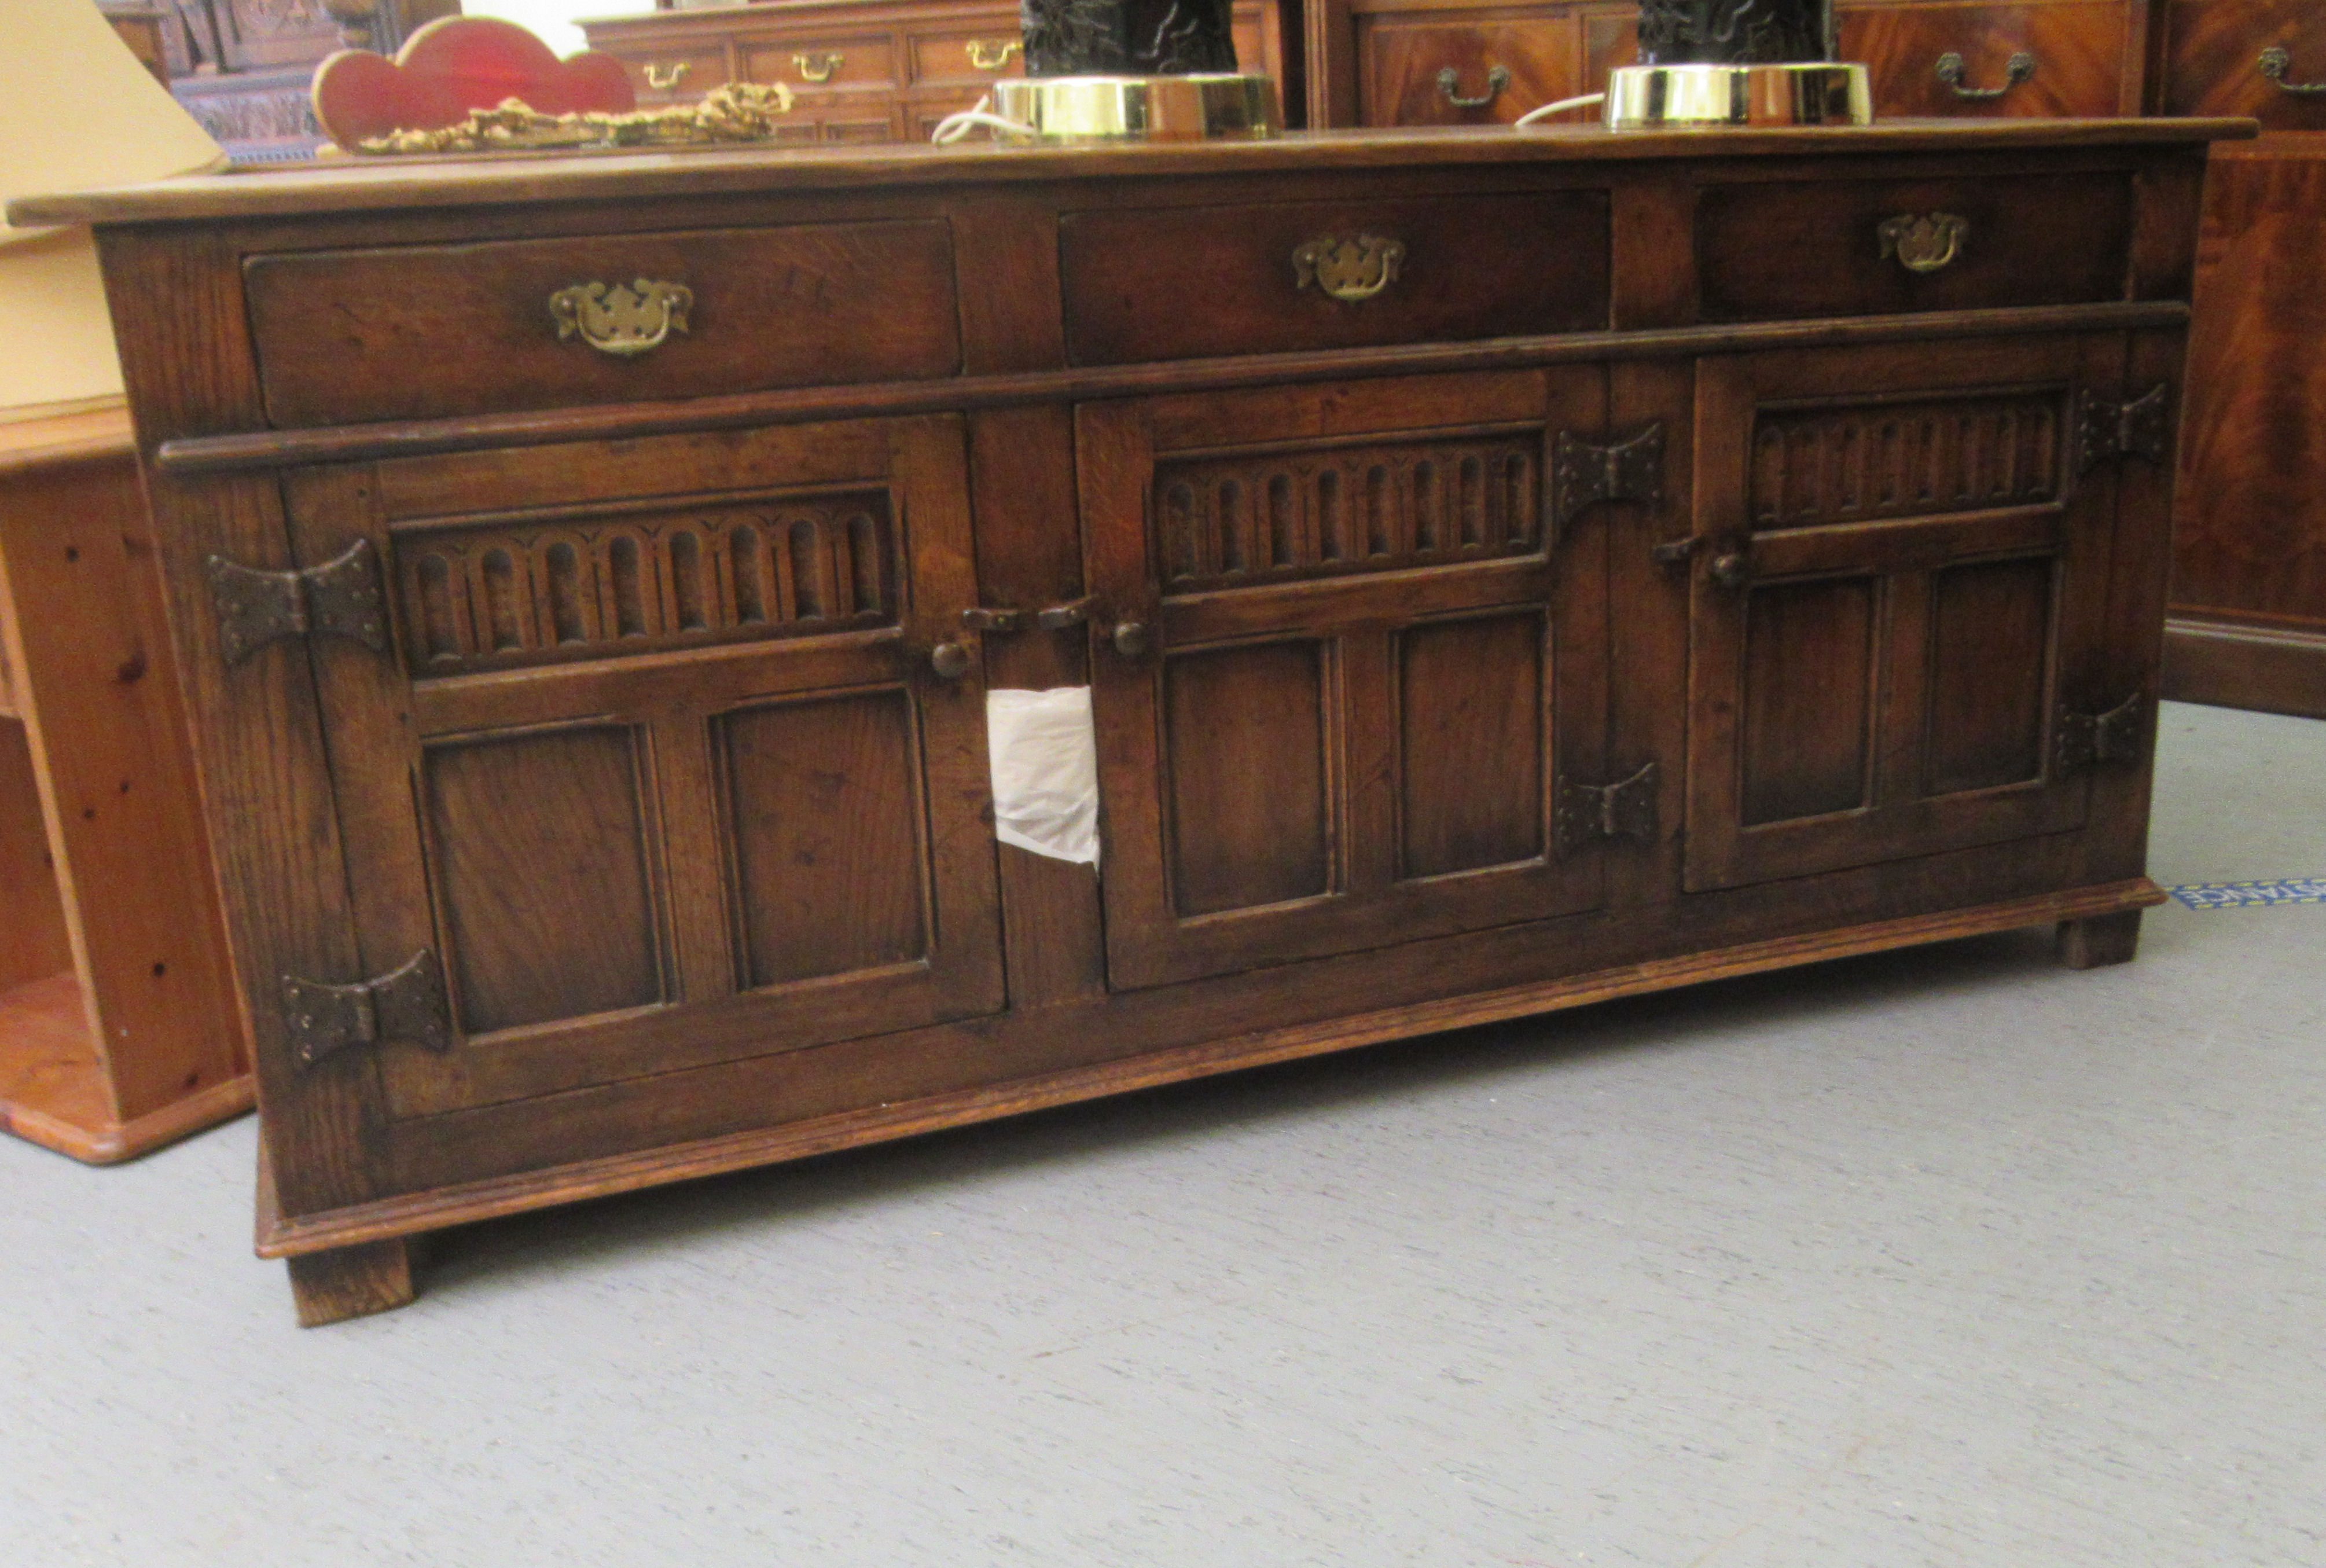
(1924, 241)
(986, 56)
(2276, 62)
(2018, 69)
(1449, 84)
(818, 67)
(622, 319)
(663, 78)
(1348, 269)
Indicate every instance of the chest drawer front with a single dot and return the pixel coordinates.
(1190, 283)
(674, 73)
(2263, 57)
(1502, 66)
(1880, 246)
(805, 64)
(958, 56)
(418, 332)
(2055, 60)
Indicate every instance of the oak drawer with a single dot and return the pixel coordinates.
(433, 331)
(1952, 59)
(675, 74)
(1187, 283)
(2248, 57)
(839, 61)
(960, 56)
(1819, 248)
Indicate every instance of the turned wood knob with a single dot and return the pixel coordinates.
(1133, 639)
(950, 660)
(1732, 571)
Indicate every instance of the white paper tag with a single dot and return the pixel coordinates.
(1045, 763)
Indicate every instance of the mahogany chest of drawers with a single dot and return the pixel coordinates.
(861, 71)
(1504, 577)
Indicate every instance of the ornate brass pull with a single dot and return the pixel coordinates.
(1449, 84)
(1924, 241)
(987, 56)
(950, 660)
(818, 67)
(2276, 62)
(663, 78)
(1348, 268)
(2017, 70)
(622, 319)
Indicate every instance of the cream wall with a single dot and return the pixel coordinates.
(553, 20)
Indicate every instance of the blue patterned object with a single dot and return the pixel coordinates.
(2248, 894)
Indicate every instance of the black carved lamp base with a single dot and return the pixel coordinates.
(1736, 32)
(1111, 70)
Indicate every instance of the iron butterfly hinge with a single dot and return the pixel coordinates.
(1583, 475)
(1623, 809)
(2140, 428)
(340, 598)
(2083, 740)
(405, 1003)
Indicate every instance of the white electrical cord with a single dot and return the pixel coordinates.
(1533, 116)
(959, 123)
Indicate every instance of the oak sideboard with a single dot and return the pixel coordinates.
(1511, 571)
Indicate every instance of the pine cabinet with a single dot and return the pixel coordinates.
(1505, 573)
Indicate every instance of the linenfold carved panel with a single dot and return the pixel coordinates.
(1276, 515)
(500, 595)
(1813, 466)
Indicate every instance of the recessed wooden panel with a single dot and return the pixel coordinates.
(499, 595)
(1179, 283)
(1244, 737)
(1815, 466)
(437, 330)
(1809, 667)
(1470, 698)
(1814, 248)
(1990, 667)
(1275, 516)
(2213, 60)
(541, 867)
(830, 871)
(2078, 50)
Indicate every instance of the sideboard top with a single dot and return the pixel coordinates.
(500, 179)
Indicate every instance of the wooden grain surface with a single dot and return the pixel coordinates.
(498, 179)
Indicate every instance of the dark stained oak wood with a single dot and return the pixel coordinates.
(1816, 249)
(1413, 705)
(352, 1282)
(425, 330)
(1472, 267)
(2096, 941)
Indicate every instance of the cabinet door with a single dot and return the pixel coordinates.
(1901, 604)
(661, 768)
(1347, 653)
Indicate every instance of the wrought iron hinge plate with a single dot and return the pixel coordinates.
(340, 598)
(406, 1004)
(1583, 475)
(2140, 428)
(1624, 810)
(2084, 739)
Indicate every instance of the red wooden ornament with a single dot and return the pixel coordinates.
(453, 67)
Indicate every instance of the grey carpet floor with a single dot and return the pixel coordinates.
(1950, 1258)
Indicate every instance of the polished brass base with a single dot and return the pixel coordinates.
(1681, 97)
(1153, 108)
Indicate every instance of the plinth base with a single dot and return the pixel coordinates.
(1137, 108)
(1682, 97)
